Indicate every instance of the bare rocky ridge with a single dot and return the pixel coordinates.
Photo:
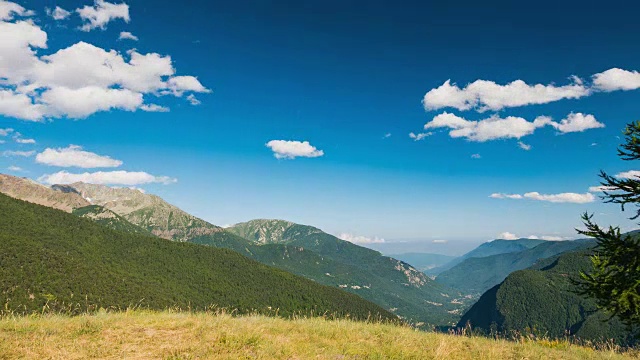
(33, 192)
(149, 212)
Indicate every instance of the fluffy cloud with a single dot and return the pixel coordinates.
(476, 156)
(25, 141)
(513, 127)
(5, 132)
(574, 198)
(101, 13)
(616, 79)
(632, 174)
(508, 236)
(14, 168)
(193, 100)
(79, 80)
(577, 122)
(74, 156)
(283, 149)
(154, 108)
(420, 136)
(440, 241)
(8, 153)
(487, 95)
(491, 128)
(58, 13)
(9, 9)
(483, 95)
(357, 239)
(126, 178)
(125, 35)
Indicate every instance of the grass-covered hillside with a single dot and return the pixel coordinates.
(54, 260)
(148, 335)
(542, 300)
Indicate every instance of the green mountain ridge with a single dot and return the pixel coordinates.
(542, 300)
(494, 247)
(55, 260)
(476, 275)
(108, 218)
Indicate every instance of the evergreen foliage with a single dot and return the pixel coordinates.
(614, 278)
(57, 261)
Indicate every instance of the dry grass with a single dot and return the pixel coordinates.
(174, 335)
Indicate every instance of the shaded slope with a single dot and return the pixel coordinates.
(490, 248)
(542, 299)
(423, 261)
(478, 274)
(53, 259)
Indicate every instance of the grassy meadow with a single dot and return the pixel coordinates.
(139, 334)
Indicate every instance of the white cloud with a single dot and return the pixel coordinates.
(14, 168)
(508, 236)
(81, 79)
(632, 174)
(387, 135)
(125, 35)
(491, 128)
(58, 13)
(487, 95)
(554, 198)
(101, 13)
(25, 141)
(513, 127)
(600, 188)
(154, 108)
(440, 241)
(193, 100)
(74, 156)
(476, 156)
(357, 239)
(120, 177)
(180, 84)
(616, 79)
(284, 149)
(420, 136)
(562, 197)
(10, 9)
(5, 132)
(577, 122)
(505, 196)
(524, 146)
(8, 153)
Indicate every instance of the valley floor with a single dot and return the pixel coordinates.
(158, 335)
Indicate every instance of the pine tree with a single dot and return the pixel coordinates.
(614, 280)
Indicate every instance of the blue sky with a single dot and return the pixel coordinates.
(341, 75)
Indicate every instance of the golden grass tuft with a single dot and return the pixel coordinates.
(181, 335)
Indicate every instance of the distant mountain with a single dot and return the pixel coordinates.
(423, 261)
(108, 218)
(58, 261)
(489, 248)
(36, 193)
(542, 298)
(476, 275)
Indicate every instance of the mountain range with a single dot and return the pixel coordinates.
(299, 249)
(55, 261)
(543, 300)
